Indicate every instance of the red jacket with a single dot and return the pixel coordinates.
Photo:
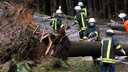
(126, 25)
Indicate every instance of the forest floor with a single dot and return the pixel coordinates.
(76, 64)
(84, 64)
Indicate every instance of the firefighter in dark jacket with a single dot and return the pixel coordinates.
(80, 19)
(92, 33)
(56, 23)
(92, 30)
(108, 46)
(84, 10)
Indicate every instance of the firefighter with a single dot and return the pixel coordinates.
(92, 30)
(56, 23)
(92, 33)
(124, 17)
(84, 10)
(108, 46)
(80, 19)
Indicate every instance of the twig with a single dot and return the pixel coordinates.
(36, 29)
(49, 46)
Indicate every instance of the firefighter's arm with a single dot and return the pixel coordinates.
(121, 49)
(93, 34)
(85, 34)
(97, 31)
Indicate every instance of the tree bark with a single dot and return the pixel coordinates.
(90, 49)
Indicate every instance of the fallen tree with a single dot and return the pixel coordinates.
(116, 26)
(90, 49)
(17, 25)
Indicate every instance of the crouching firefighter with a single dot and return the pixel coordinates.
(56, 23)
(92, 33)
(108, 46)
(80, 19)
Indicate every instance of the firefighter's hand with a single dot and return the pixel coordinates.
(92, 34)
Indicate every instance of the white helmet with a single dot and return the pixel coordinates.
(122, 15)
(110, 31)
(80, 4)
(91, 20)
(58, 11)
(77, 8)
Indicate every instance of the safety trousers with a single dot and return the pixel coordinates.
(109, 66)
(81, 34)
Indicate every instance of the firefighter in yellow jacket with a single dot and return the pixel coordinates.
(108, 46)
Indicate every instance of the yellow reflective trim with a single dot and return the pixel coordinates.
(83, 21)
(62, 26)
(75, 20)
(85, 11)
(107, 60)
(81, 39)
(118, 47)
(86, 19)
(84, 37)
(96, 33)
(55, 24)
(56, 34)
(109, 47)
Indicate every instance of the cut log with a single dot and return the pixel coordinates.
(90, 49)
(117, 26)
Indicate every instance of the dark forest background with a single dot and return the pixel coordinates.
(105, 9)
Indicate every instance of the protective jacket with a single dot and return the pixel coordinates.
(126, 25)
(81, 20)
(93, 29)
(108, 46)
(84, 10)
(56, 23)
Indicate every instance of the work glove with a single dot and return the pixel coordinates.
(123, 51)
(92, 34)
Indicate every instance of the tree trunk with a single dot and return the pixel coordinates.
(90, 49)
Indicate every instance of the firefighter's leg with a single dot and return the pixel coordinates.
(104, 67)
(95, 61)
(81, 35)
(111, 67)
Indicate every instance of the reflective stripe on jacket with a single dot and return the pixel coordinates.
(84, 11)
(80, 17)
(109, 44)
(56, 23)
(94, 29)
